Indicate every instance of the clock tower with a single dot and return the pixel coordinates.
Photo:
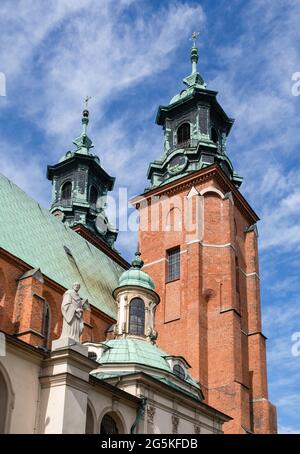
(79, 189)
(198, 237)
(195, 130)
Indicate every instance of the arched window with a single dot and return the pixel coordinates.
(214, 135)
(179, 371)
(66, 191)
(46, 324)
(137, 317)
(183, 134)
(93, 197)
(108, 425)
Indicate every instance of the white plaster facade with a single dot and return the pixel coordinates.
(57, 394)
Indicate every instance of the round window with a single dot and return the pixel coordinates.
(179, 371)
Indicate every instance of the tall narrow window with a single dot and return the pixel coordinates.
(214, 135)
(46, 324)
(183, 134)
(173, 264)
(93, 197)
(66, 192)
(137, 317)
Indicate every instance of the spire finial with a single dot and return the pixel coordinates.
(85, 115)
(194, 52)
(138, 251)
(83, 142)
(137, 262)
(194, 38)
(86, 100)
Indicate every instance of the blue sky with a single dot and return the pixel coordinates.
(131, 56)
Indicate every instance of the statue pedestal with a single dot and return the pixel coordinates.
(66, 342)
(65, 384)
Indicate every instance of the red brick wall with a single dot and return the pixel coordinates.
(207, 316)
(22, 306)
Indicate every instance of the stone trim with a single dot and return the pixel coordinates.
(64, 379)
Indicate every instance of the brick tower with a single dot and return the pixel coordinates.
(198, 237)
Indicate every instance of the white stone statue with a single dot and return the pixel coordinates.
(72, 308)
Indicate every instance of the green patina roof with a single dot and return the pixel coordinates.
(32, 234)
(137, 278)
(134, 276)
(135, 351)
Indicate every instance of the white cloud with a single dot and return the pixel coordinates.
(92, 50)
(255, 85)
(59, 54)
(25, 170)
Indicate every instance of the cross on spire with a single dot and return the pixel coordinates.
(86, 100)
(194, 38)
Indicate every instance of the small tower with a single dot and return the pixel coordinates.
(136, 302)
(195, 131)
(80, 186)
(132, 357)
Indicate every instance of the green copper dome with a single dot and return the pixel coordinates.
(134, 276)
(124, 352)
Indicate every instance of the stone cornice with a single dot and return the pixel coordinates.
(72, 358)
(64, 378)
(110, 389)
(153, 383)
(24, 349)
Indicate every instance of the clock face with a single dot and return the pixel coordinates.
(101, 224)
(177, 164)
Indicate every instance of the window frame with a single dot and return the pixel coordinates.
(182, 375)
(171, 277)
(140, 327)
(180, 127)
(63, 199)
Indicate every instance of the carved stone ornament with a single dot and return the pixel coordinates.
(197, 429)
(175, 422)
(150, 414)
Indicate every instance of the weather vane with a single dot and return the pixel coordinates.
(86, 100)
(194, 38)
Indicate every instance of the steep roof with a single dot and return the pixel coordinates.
(35, 236)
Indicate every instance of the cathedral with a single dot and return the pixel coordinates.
(170, 343)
